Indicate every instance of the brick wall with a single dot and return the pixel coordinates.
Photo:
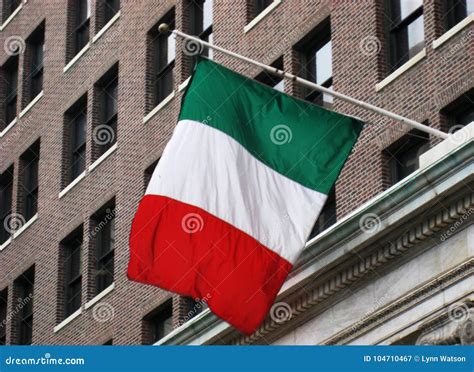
(420, 94)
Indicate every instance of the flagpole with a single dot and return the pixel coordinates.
(196, 44)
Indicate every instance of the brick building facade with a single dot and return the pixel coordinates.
(90, 93)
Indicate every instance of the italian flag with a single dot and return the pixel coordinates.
(236, 193)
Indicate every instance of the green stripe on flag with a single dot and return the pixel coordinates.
(300, 140)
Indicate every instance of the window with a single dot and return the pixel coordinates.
(81, 17)
(202, 12)
(316, 56)
(28, 185)
(105, 135)
(71, 254)
(405, 30)
(106, 10)
(456, 11)
(75, 139)
(260, 6)
(6, 190)
(158, 323)
(108, 342)
(10, 71)
(103, 232)
(402, 157)
(460, 112)
(34, 64)
(9, 6)
(3, 316)
(149, 172)
(272, 80)
(327, 217)
(163, 53)
(23, 324)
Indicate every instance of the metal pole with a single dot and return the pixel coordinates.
(164, 28)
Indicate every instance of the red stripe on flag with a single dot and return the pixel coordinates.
(184, 249)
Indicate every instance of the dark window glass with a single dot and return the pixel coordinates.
(108, 343)
(105, 244)
(25, 287)
(260, 5)
(460, 112)
(11, 85)
(149, 173)
(110, 7)
(403, 156)
(9, 7)
(327, 217)
(73, 272)
(6, 190)
(317, 63)
(159, 323)
(271, 80)
(29, 181)
(202, 12)
(163, 62)
(3, 316)
(456, 11)
(108, 112)
(81, 29)
(405, 28)
(78, 144)
(35, 67)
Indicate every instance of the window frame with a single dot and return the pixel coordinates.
(78, 149)
(162, 72)
(81, 25)
(72, 285)
(450, 19)
(109, 12)
(6, 188)
(308, 48)
(24, 319)
(394, 27)
(330, 206)
(414, 140)
(104, 237)
(11, 69)
(3, 315)
(161, 317)
(30, 181)
(10, 8)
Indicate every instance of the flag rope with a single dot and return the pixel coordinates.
(198, 43)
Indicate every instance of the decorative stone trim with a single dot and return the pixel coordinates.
(363, 266)
(396, 307)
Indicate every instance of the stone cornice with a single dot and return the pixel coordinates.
(418, 295)
(344, 255)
